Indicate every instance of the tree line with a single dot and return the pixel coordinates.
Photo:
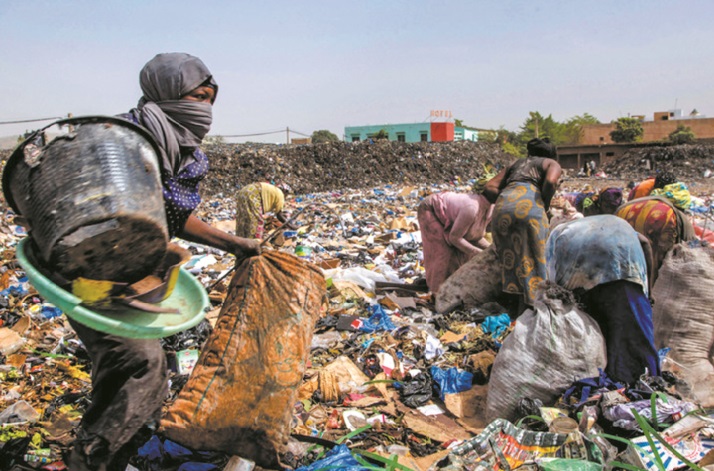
(570, 132)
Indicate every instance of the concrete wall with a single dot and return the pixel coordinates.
(575, 157)
(410, 132)
(597, 134)
(463, 134)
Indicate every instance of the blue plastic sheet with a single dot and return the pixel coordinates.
(153, 452)
(337, 458)
(496, 325)
(451, 381)
(176, 451)
(50, 312)
(15, 290)
(586, 387)
(158, 456)
(379, 320)
(191, 466)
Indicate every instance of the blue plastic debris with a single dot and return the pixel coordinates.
(191, 466)
(153, 452)
(451, 381)
(339, 457)
(496, 325)
(379, 320)
(50, 312)
(176, 451)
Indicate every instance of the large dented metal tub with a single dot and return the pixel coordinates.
(91, 198)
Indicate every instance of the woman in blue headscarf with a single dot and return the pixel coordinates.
(129, 379)
(609, 267)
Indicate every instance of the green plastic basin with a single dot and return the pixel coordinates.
(189, 297)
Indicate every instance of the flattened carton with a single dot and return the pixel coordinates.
(693, 447)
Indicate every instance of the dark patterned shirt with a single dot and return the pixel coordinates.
(181, 195)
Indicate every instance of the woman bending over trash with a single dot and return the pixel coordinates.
(252, 203)
(522, 194)
(607, 265)
(452, 228)
(129, 376)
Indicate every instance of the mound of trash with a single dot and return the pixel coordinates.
(324, 167)
(688, 161)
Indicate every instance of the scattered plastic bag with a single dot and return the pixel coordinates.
(451, 381)
(416, 391)
(19, 413)
(379, 320)
(339, 457)
(668, 411)
(358, 275)
(496, 325)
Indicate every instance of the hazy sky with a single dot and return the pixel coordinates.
(329, 64)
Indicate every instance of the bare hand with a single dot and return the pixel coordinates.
(244, 248)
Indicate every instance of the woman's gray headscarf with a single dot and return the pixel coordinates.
(175, 123)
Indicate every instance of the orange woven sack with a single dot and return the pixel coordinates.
(240, 396)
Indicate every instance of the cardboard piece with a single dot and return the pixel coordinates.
(402, 302)
(438, 427)
(693, 447)
(452, 337)
(10, 341)
(329, 263)
(470, 406)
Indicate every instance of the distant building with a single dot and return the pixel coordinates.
(657, 129)
(596, 145)
(413, 132)
(300, 140)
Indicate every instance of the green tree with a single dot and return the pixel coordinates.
(682, 135)
(322, 136)
(572, 129)
(487, 135)
(458, 123)
(627, 130)
(512, 149)
(538, 126)
(382, 134)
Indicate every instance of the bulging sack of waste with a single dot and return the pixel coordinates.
(683, 316)
(549, 348)
(240, 396)
(475, 283)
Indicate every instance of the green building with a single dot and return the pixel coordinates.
(412, 132)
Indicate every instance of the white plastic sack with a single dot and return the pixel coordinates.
(476, 282)
(550, 348)
(360, 276)
(683, 316)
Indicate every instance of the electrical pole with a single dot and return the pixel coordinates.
(287, 133)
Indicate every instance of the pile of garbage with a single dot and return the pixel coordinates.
(390, 383)
(687, 161)
(323, 167)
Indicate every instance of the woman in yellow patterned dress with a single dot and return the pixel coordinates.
(522, 194)
(252, 202)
